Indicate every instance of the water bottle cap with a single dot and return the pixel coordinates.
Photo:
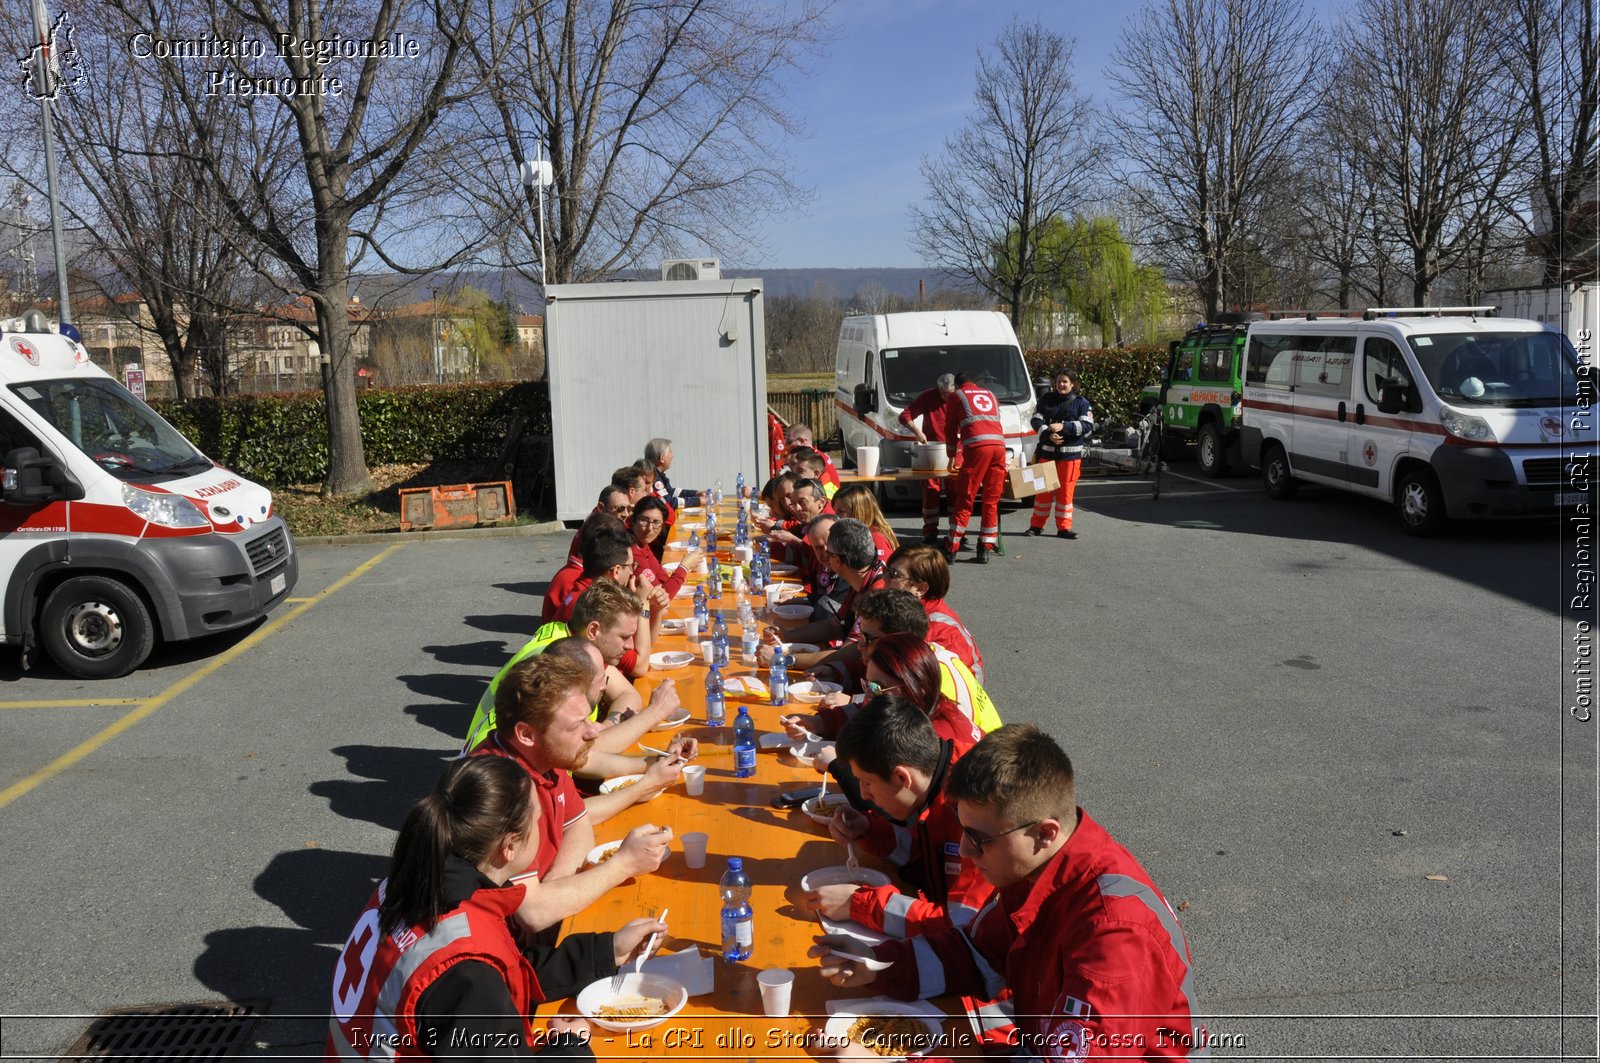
(735, 863)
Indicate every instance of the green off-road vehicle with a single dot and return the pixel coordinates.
(1200, 392)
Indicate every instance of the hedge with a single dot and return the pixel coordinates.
(283, 438)
(1111, 377)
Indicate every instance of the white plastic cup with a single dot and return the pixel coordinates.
(866, 465)
(708, 651)
(777, 984)
(691, 628)
(694, 842)
(694, 782)
(775, 593)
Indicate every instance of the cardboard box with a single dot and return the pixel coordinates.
(1030, 480)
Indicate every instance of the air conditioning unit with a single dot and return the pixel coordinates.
(691, 269)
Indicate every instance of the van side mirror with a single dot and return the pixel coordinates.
(1392, 397)
(866, 399)
(30, 479)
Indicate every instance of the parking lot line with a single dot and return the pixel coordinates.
(88, 746)
(78, 703)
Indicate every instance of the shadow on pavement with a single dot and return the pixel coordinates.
(382, 782)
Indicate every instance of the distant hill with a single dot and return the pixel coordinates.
(392, 289)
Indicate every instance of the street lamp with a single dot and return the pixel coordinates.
(539, 172)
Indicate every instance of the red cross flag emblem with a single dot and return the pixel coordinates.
(983, 402)
(26, 349)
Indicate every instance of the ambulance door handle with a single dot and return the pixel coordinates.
(1361, 413)
(1341, 413)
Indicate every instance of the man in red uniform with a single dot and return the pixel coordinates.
(930, 407)
(800, 435)
(1091, 952)
(613, 500)
(901, 765)
(975, 435)
(541, 711)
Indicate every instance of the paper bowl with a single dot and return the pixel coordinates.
(812, 691)
(792, 648)
(838, 876)
(597, 995)
(621, 782)
(839, 1024)
(672, 723)
(831, 803)
(667, 660)
(790, 612)
(601, 853)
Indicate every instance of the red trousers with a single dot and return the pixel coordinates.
(932, 489)
(1067, 472)
(982, 469)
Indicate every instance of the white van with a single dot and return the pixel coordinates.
(1446, 412)
(884, 361)
(114, 529)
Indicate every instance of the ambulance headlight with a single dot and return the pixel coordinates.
(1466, 426)
(169, 511)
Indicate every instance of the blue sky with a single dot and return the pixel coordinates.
(895, 81)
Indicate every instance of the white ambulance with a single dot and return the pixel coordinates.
(1447, 412)
(114, 529)
(884, 361)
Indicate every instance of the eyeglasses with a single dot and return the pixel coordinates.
(648, 522)
(896, 575)
(621, 511)
(978, 841)
(879, 688)
(868, 639)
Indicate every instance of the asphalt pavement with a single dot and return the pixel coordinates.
(1342, 753)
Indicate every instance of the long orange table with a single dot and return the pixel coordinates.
(777, 846)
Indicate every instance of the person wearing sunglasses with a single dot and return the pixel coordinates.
(852, 557)
(613, 502)
(1099, 958)
(901, 764)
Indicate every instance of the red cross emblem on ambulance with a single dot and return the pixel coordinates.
(1369, 453)
(26, 349)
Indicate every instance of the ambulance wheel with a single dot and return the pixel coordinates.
(1210, 451)
(1276, 478)
(96, 628)
(1420, 502)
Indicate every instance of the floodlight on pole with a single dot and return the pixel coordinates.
(542, 173)
(47, 74)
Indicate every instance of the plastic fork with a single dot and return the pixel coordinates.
(850, 863)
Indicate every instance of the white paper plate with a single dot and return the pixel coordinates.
(689, 526)
(783, 568)
(599, 853)
(838, 876)
(862, 954)
(670, 991)
(800, 647)
(667, 660)
(692, 511)
(811, 691)
(839, 1024)
(807, 751)
(831, 803)
(672, 723)
(621, 782)
(790, 612)
(673, 626)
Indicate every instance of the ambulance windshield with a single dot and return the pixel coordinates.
(1490, 368)
(909, 372)
(119, 433)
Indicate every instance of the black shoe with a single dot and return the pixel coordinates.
(983, 555)
(931, 540)
(1066, 533)
(1034, 531)
(950, 552)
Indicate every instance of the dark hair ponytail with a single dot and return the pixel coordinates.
(473, 806)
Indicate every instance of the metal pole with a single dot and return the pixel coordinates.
(543, 272)
(41, 25)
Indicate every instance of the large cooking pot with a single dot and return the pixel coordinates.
(929, 457)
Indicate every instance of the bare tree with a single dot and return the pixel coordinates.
(1557, 48)
(662, 123)
(1214, 89)
(1025, 156)
(1435, 117)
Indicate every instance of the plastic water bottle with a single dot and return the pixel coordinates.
(694, 540)
(718, 490)
(702, 611)
(738, 922)
(716, 580)
(778, 677)
(748, 640)
(738, 485)
(716, 700)
(744, 744)
(719, 648)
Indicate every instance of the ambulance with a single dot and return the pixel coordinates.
(882, 362)
(1447, 412)
(114, 530)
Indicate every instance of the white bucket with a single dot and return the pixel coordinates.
(867, 461)
(930, 456)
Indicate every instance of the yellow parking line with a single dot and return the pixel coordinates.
(81, 703)
(298, 600)
(83, 749)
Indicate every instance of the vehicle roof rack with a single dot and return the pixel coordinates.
(1375, 312)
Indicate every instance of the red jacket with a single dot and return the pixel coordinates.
(647, 561)
(946, 629)
(830, 473)
(951, 890)
(972, 419)
(950, 723)
(1096, 962)
(930, 406)
(883, 545)
(380, 977)
(562, 594)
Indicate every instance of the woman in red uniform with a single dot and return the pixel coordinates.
(433, 967)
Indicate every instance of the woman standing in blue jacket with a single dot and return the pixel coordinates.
(1065, 421)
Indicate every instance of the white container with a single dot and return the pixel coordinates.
(867, 461)
(694, 842)
(776, 984)
(929, 457)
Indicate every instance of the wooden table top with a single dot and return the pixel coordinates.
(777, 846)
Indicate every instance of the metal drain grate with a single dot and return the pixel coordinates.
(199, 1031)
